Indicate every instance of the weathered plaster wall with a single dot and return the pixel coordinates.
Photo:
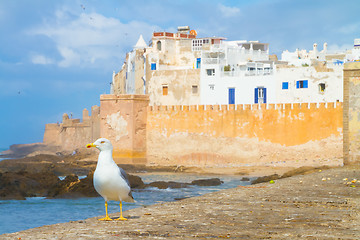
(139, 71)
(123, 122)
(332, 78)
(72, 134)
(352, 113)
(281, 135)
(179, 83)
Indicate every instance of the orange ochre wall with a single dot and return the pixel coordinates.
(123, 122)
(283, 135)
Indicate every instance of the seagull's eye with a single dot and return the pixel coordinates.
(102, 142)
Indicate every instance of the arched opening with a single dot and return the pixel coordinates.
(158, 45)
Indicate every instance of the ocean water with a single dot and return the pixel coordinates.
(17, 215)
(1, 150)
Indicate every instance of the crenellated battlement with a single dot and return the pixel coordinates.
(209, 135)
(243, 107)
(246, 134)
(73, 133)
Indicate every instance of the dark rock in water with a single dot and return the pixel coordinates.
(63, 186)
(72, 187)
(245, 179)
(180, 198)
(22, 184)
(164, 185)
(265, 179)
(48, 163)
(171, 184)
(86, 186)
(136, 181)
(207, 182)
(303, 170)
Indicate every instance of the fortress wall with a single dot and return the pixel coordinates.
(245, 135)
(351, 113)
(282, 135)
(52, 131)
(73, 134)
(123, 122)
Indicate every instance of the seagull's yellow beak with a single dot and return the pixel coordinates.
(90, 145)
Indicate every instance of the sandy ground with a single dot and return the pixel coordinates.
(319, 205)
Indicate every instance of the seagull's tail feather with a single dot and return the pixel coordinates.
(130, 198)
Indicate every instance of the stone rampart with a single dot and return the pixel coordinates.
(123, 122)
(281, 135)
(286, 135)
(351, 113)
(72, 134)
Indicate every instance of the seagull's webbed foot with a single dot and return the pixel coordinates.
(121, 219)
(107, 218)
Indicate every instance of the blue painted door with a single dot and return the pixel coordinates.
(198, 62)
(231, 95)
(260, 95)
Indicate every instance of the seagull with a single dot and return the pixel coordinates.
(110, 181)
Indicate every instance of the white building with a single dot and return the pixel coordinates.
(237, 72)
(302, 57)
(181, 69)
(309, 84)
(354, 54)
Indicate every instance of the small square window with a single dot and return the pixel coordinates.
(285, 85)
(302, 84)
(165, 90)
(210, 72)
(153, 66)
(194, 89)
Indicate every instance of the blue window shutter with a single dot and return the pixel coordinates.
(231, 95)
(153, 66)
(256, 95)
(297, 84)
(285, 85)
(264, 95)
(305, 84)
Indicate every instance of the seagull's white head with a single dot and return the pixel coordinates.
(102, 144)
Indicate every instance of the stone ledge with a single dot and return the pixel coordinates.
(316, 206)
(137, 97)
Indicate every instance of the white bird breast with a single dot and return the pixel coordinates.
(110, 185)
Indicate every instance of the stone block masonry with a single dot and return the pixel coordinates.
(287, 135)
(123, 122)
(281, 135)
(73, 134)
(219, 136)
(351, 113)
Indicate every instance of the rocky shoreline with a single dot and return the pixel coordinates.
(38, 176)
(317, 205)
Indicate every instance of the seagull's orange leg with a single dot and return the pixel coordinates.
(106, 218)
(121, 216)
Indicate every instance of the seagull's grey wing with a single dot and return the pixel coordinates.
(124, 176)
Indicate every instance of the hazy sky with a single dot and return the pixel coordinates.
(58, 56)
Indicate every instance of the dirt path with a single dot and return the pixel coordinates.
(313, 206)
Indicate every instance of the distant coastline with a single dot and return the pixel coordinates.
(2, 149)
(26, 150)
